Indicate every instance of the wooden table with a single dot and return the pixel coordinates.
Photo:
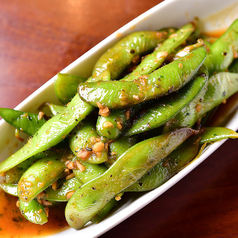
(39, 38)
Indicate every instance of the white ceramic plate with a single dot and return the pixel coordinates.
(167, 13)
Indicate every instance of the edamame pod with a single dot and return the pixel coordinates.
(118, 147)
(104, 211)
(24, 121)
(112, 125)
(223, 51)
(13, 175)
(63, 192)
(213, 134)
(179, 158)
(52, 109)
(33, 212)
(87, 145)
(169, 106)
(9, 188)
(165, 80)
(66, 86)
(118, 57)
(219, 87)
(131, 166)
(158, 56)
(166, 168)
(39, 176)
(90, 171)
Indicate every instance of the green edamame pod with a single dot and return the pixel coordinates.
(86, 144)
(131, 166)
(13, 175)
(158, 56)
(112, 125)
(187, 49)
(165, 80)
(166, 168)
(33, 212)
(104, 211)
(222, 52)
(91, 171)
(51, 109)
(118, 57)
(219, 87)
(66, 86)
(61, 194)
(213, 134)
(51, 133)
(169, 106)
(39, 176)
(9, 188)
(24, 121)
(175, 161)
(118, 147)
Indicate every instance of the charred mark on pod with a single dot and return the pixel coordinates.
(171, 89)
(132, 51)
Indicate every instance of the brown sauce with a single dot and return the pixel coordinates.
(14, 225)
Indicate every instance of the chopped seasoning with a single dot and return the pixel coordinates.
(70, 176)
(198, 107)
(54, 185)
(80, 167)
(71, 165)
(119, 125)
(136, 97)
(103, 111)
(40, 211)
(40, 115)
(70, 194)
(46, 203)
(128, 114)
(84, 154)
(118, 197)
(108, 124)
(98, 147)
(161, 54)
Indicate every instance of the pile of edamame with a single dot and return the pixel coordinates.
(138, 120)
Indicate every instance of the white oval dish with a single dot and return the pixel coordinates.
(165, 14)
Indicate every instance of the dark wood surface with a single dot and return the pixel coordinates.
(39, 38)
